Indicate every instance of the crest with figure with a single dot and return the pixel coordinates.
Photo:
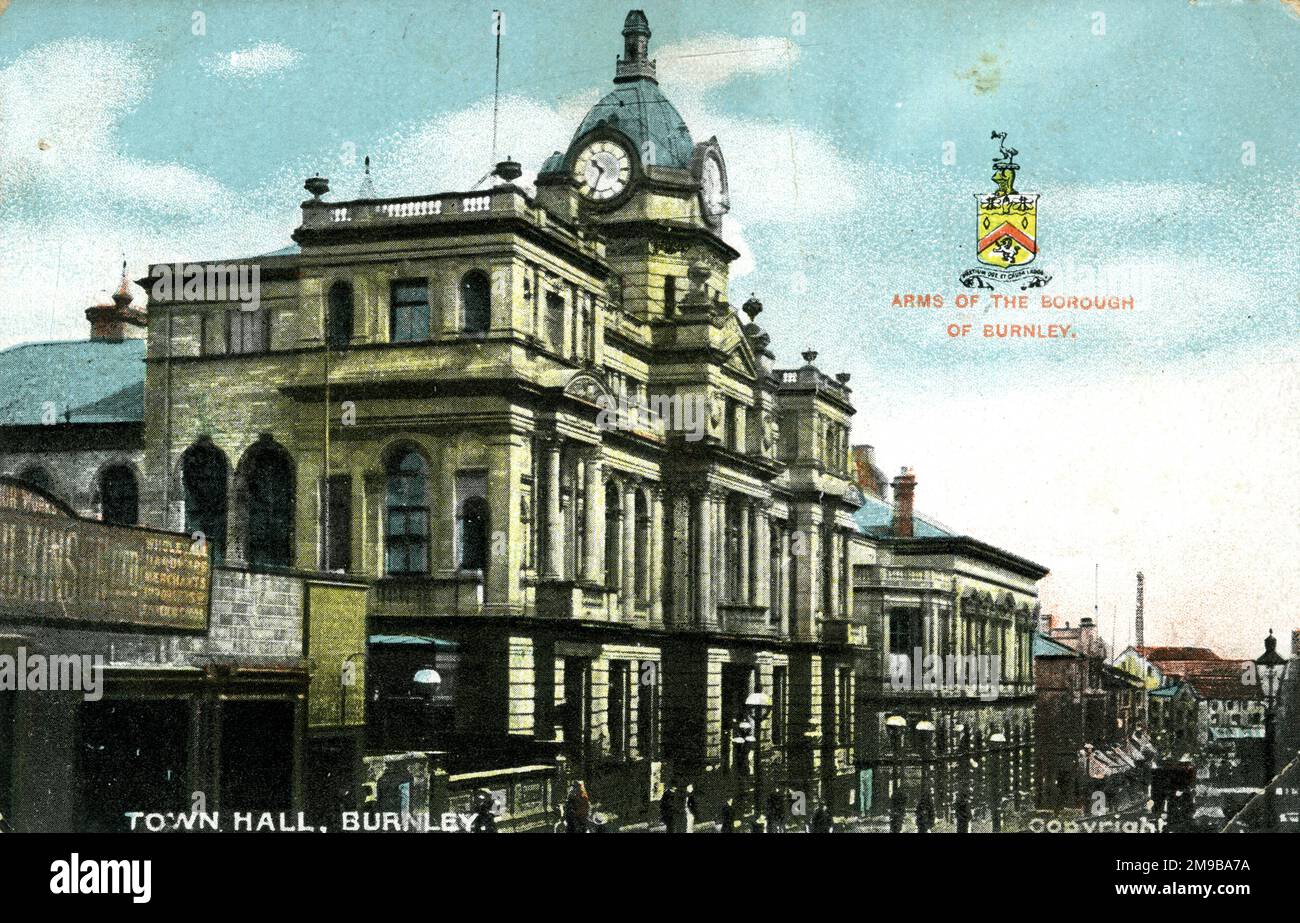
(1006, 235)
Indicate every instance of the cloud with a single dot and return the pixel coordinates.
(256, 61)
(689, 68)
(72, 203)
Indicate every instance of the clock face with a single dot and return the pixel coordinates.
(602, 170)
(712, 194)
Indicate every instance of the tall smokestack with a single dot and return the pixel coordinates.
(1138, 626)
(904, 489)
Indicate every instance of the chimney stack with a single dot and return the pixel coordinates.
(904, 490)
(1088, 639)
(865, 472)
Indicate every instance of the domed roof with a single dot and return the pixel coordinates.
(640, 110)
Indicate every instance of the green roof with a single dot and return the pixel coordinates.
(91, 381)
(875, 518)
(1046, 647)
(639, 110)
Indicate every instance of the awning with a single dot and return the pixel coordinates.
(1235, 733)
(414, 641)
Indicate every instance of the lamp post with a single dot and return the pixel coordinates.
(997, 740)
(896, 725)
(759, 704)
(427, 680)
(925, 803)
(962, 781)
(1269, 669)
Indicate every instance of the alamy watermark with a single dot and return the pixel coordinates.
(24, 672)
(684, 413)
(972, 674)
(240, 282)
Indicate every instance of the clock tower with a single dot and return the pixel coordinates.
(658, 197)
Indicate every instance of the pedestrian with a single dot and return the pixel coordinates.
(668, 808)
(776, 804)
(822, 822)
(963, 813)
(577, 808)
(691, 807)
(484, 820)
(897, 811)
(728, 823)
(924, 813)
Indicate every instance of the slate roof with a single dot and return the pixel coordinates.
(1046, 647)
(875, 518)
(96, 381)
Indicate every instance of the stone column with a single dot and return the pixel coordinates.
(720, 537)
(593, 559)
(629, 549)
(762, 558)
(554, 513)
(704, 537)
(742, 553)
(656, 554)
(783, 596)
(833, 550)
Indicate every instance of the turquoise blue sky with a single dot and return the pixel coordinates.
(1161, 136)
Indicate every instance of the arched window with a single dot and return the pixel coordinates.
(203, 475)
(476, 301)
(474, 534)
(613, 536)
(268, 478)
(38, 477)
(119, 496)
(338, 330)
(406, 526)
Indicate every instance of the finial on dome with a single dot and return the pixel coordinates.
(809, 355)
(635, 63)
(112, 317)
(124, 296)
(752, 307)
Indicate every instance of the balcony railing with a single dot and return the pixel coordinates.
(906, 578)
(319, 215)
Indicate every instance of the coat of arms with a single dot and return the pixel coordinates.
(1007, 228)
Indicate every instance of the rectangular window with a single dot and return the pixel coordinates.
(338, 543)
(248, 331)
(647, 708)
(778, 706)
(619, 706)
(670, 295)
(904, 630)
(555, 321)
(844, 710)
(408, 311)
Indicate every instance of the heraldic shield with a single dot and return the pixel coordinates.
(1007, 233)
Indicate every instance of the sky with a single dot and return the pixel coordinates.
(1160, 136)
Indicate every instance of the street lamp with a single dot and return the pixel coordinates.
(896, 725)
(759, 704)
(997, 740)
(925, 804)
(961, 806)
(1270, 666)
